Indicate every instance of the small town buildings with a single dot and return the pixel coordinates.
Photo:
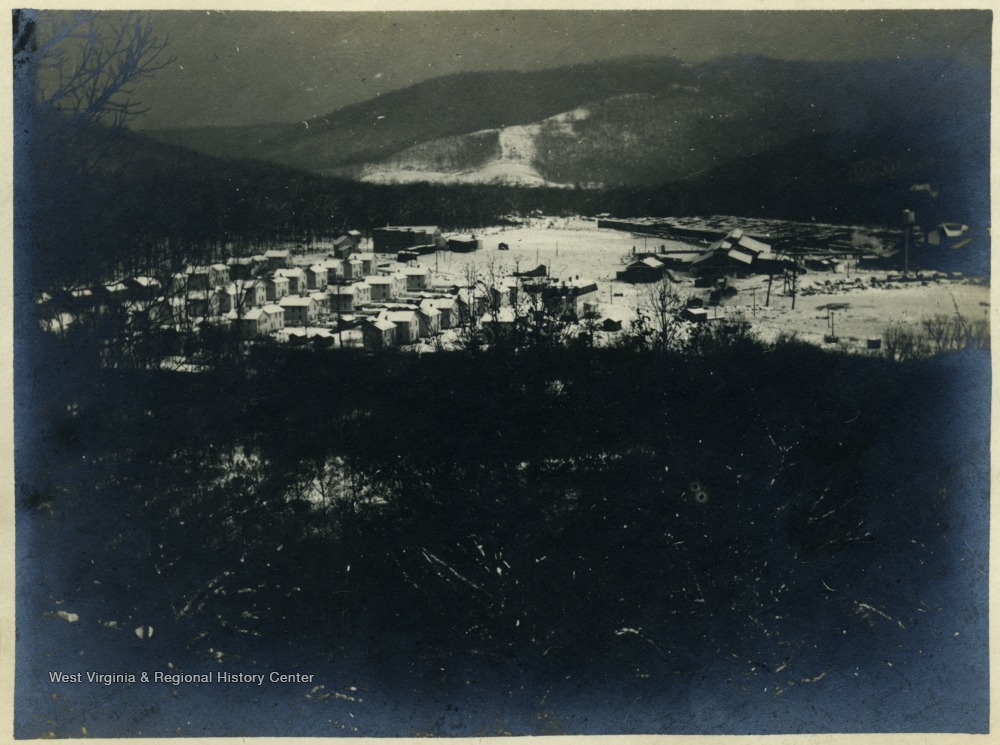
(317, 277)
(204, 303)
(262, 321)
(245, 267)
(407, 325)
(393, 238)
(276, 287)
(417, 278)
(430, 321)
(611, 325)
(576, 297)
(254, 291)
(384, 289)
(378, 334)
(471, 303)
(643, 270)
(738, 254)
(348, 298)
(299, 311)
(278, 259)
(460, 244)
(207, 277)
(696, 315)
(500, 325)
(368, 262)
(322, 299)
(345, 245)
(296, 279)
(334, 270)
(539, 271)
(353, 269)
(447, 307)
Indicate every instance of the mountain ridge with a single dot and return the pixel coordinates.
(650, 120)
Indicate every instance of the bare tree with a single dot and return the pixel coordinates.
(81, 69)
(657, 324)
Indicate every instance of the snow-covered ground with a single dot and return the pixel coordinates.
(575, 247)
(514, 165)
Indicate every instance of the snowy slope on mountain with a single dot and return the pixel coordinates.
(505, 155)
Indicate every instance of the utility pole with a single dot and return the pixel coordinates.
(908, 219)
(753, 294)
(795, 280)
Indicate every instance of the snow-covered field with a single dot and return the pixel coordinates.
(576, 247)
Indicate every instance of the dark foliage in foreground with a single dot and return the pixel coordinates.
(602, 509)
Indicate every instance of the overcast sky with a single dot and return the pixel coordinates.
(250, 67)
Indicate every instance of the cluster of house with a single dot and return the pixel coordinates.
(267, 293)
(349, 297)
(736, 254)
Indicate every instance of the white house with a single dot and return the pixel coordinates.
(407, 325)
(276, 287)
(379, 334)
(278, 258)
(383, 288)
(262, 321)
(296, 279)
(416, 278)
(299, 311)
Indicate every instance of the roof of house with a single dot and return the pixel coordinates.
(651, 263)
(294, 271)
(296, 301)
(380, 280)
(350, 289)
(277, 278)
(414, 228)
(276, 253)
(754, 245)
(740, 256)
(382, 324)
(400, 316)
(415, 271)
(438, 302)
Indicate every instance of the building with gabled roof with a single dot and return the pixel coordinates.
(299, 311)
(447, 307)
(276, 287)
(393, 238)
(278, 258)
(262, 321)
(296, 279)
(407, 325)
(417, 278)
(429, 319)
(378, 334)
